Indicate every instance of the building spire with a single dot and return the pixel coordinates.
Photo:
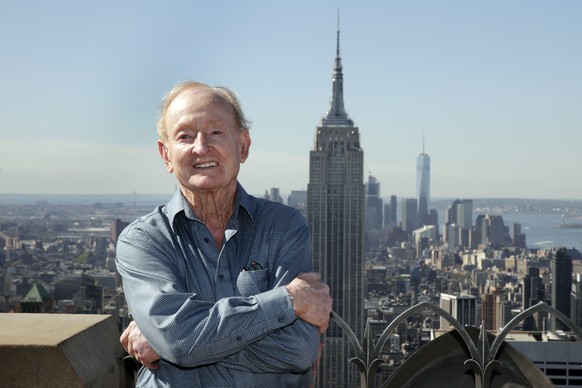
(337, 114)
(337, 51)
(423, 143)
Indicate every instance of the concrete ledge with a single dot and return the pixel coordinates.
(59, 350)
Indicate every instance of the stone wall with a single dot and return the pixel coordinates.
(60, 350)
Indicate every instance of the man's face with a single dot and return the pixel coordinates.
(204, 147)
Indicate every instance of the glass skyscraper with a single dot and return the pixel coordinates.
(423, 186)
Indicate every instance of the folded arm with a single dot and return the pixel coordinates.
(259, 332)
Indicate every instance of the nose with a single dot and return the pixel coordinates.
(200, 145)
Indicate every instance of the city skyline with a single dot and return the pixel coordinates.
(494, 87)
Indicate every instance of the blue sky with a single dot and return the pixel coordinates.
(495, 86)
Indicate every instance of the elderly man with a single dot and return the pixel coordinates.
(218, 281)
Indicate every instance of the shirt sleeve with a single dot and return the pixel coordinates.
(289, 349)
(188, 331)
(293, 347)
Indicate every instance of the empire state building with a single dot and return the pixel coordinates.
(335, 212)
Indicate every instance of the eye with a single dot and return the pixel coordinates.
(216, 132)
(184, 136)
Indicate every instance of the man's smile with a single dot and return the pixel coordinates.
(206, 165)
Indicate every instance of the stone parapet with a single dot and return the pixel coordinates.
(59, 350)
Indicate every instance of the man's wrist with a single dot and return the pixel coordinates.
(291, 298)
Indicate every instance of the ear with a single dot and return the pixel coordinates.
(245, 145)
(164, 154)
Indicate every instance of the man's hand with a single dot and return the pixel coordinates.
(138, 347)
(311, 299)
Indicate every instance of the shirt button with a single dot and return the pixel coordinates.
(239, 338)
(206, 239)
(221, 276)
(281, 319)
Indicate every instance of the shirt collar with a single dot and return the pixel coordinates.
(242, 200)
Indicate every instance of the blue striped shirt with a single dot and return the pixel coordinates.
(214, 318)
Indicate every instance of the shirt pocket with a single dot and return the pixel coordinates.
(253, 282)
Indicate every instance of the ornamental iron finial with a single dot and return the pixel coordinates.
(483, 357)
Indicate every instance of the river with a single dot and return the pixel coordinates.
(542, 232)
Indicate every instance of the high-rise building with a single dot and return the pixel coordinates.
(387, 212)
(488, 311)
(493, 231)
(462, 307)
(576, 300)
(451, 236)
(451, 225)
(561, 272)
(298, 200)
(409, 214)
(423, 185)
(465, 213)
(518, 237)
(393, 209)
(5, 284)
(374, 204)
(503, 309)
(273, 195)
(459, 218)
(117, 227)
(335, 212)
(532, 294)
(451, 213)
(390, 212)
(423, 237)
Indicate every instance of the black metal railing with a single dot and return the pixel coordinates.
(483, 356)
